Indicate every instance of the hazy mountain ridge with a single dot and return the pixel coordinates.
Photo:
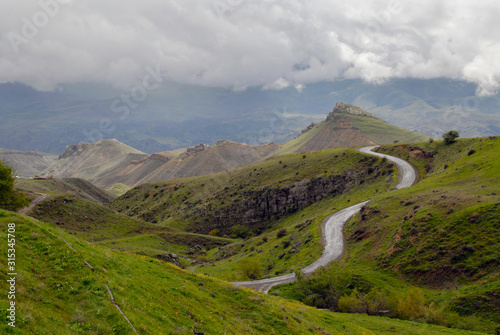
(177, 115)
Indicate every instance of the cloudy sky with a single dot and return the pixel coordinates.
(242, 43)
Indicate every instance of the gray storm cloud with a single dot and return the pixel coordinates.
(241, 43)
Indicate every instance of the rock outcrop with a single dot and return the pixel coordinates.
(260, 206)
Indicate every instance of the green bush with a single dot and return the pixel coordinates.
(412, 306)
(214, 232)
(250, 269)
(351, 303)
(240, 231)
(372, 303)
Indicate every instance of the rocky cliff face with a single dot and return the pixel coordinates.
(259, 207)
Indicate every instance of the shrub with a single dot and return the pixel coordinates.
(412, 306)
(240, 231)
(214, 232)
(250, 269)
(371, 303)
(375, 301)
(351, 303)
(282, 232)
(450, 136)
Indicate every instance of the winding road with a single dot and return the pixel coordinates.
(332, 228)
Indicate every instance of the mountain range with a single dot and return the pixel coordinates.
(107, 163)
(179, 116)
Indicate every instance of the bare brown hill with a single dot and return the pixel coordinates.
(108, 162)
(94, 161)
(202, 160)
(340, 132)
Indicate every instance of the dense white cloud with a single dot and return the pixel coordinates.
(241, 43)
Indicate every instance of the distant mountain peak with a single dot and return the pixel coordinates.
(343, 108)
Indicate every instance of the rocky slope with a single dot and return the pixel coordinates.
(203, 160)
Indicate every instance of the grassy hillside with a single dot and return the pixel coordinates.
(446, 226)
(440, 235)
(261, 192)
(382, 132)
(118, 189)
(79, 188)
(95, 223)
(56, 293)
(253, 203)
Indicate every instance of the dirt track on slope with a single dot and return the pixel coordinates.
(40, 197)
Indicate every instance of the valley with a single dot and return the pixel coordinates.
(264, 222)
(250, 167)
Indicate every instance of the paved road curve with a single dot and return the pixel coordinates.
(332, 228)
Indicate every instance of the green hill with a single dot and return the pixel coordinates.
(440, 235)
(253, 195)
(77, 187)
(57, 293)
(348, 126)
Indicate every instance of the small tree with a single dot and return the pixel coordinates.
(450, 136)
(10, 198)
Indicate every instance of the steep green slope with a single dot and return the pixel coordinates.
(95, 223)
(56, 293)
(253, 195)
(79, 188)
(446, 227)
(440, 234)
